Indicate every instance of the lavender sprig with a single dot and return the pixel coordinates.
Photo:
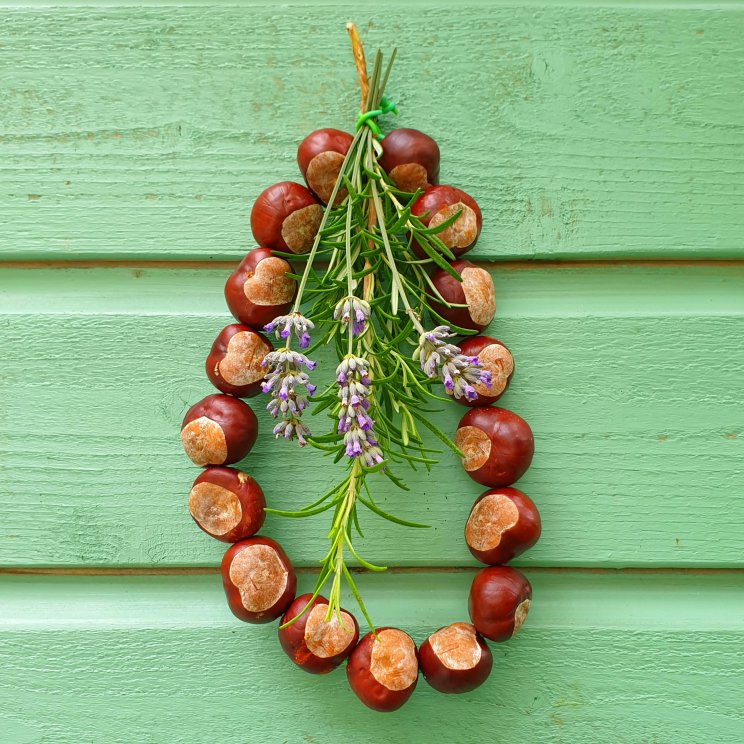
(355, 310)
(354, 421)
(283, 325)
(444, 360)
(285, 377)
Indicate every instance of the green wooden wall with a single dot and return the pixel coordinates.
(604, 141)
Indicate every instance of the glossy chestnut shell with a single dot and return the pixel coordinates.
(218, 430)
(259, 288)
(258, 579)
(286, 217)
(500, 598)
(503, 523)
(497, 444)
(475, 290)
(439, 203)
(320, 157)
(234, 364)
(455, 659)
(383, 671)
(410, 158)
(497, 359)
(227, 504)
(314, 644)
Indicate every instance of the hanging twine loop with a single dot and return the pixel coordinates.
(368, 118)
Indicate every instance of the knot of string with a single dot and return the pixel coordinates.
(368, 118)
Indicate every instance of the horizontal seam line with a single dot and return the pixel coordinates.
(209, 570)
(510, 264)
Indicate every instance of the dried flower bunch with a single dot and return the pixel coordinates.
(384, 285)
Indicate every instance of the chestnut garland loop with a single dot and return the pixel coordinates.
(496, 445)
(368, 119)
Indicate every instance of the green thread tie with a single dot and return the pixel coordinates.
(386, 107)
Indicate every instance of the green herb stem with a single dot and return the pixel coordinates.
(367, 238)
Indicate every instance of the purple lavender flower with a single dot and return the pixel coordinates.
(354, 421)
(292, 429)
(355, 310)
(443, 360)
(283, 325)
(282, 380)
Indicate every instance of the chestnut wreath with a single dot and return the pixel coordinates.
(496, 445)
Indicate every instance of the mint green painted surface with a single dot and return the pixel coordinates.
(603, 658)
(631, 378)
(583, 129)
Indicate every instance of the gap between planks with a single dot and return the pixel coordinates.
(735, 5)
(526, 264)
(208, 570)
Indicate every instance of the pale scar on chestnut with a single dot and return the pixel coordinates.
(393, 660)
(520, 614)
(300, 227)
(260, 577)
(325, 639)
(479, 295)
(463, 231)
(456, 646)
(491, 517)
(242, 363)
(475, 445)
(497, 360)
(204, 442)
(269, 284)
(215, 508)
(322, 173)
(409, 177)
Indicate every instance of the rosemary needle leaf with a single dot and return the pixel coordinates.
(437, 432)
(390, 517)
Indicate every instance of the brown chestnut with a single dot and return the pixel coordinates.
(455, 659)
(234, 363)
(227, 504)
(258, 579)
(218, 430)
(475, 290)
(500, 598)
(383, 670)
(313, 643)
(320, 157)
(494, 357)
(286, 217)
(410, 158)
(439, 203)
(497, 446)
(503, 523)
(259, 288)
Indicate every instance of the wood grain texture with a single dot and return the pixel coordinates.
(160, 659)
(631, 378)
(584, 129)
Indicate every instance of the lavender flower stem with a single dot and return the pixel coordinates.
(445, 361)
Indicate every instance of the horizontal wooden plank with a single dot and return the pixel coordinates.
(626, 659)
(631, 378)
(584, 129)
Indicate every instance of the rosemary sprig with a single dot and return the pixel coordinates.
(369, 303)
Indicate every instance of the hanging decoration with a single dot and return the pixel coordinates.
(367, 259)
